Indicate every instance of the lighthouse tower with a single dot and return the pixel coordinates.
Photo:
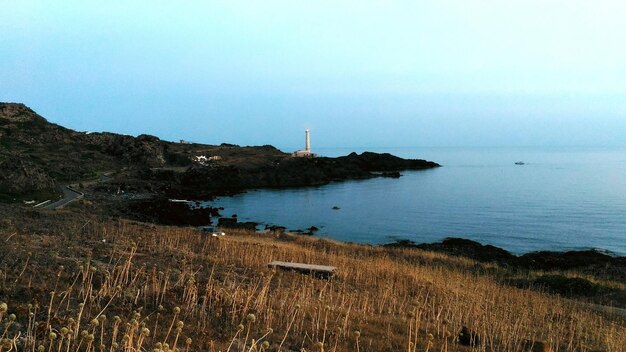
(306, 153)
(307, 145)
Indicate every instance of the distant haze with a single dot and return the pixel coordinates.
(357, 73)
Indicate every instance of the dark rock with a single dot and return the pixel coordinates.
(385, 162)
(336, 208)
(546, 260)
(402, 243)
(248, 225)
(470, 249)
(232, 223)
(313, 229)
(162, 211)
(275, 228)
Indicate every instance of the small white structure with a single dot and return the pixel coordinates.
(204, 160)
(200, 159)
(306, 153)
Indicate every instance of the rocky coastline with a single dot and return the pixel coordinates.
(289, 172)
(538, 260)
(515, 270)
(136, 177)
(40, 156)
(163, 212)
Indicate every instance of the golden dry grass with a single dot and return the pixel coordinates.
(158, 288)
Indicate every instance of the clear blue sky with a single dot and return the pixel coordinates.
(357, 73)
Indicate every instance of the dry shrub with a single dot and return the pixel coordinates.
(129, 286)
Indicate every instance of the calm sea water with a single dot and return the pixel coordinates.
(563, 198)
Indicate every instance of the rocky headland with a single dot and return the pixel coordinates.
(40, 156)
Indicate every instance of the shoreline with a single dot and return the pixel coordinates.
(543, 259)
(538, 260)
(195, 213)
(576, 274)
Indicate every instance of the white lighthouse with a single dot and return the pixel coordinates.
(306, 153)
(307, 143)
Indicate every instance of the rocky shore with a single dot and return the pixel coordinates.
(542, 260)
(288, 172)
(40, 156)
(144, 172)
(162, 211)
(552, 264)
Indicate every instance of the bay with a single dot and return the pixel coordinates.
(560, 199)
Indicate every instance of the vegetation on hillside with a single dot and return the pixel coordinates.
(75, 283)
(38, 153)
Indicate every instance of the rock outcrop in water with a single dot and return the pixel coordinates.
(233, 223)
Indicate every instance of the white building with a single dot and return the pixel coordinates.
(306, 153)
(204, 160)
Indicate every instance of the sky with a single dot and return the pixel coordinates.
(357, 73)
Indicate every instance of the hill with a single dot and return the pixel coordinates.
(36, 156)
(72, 280)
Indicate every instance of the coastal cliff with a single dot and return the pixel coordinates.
(294, 172)
(147, 164)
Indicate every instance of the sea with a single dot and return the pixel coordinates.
(560, 199)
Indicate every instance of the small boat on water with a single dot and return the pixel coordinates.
(520, 163)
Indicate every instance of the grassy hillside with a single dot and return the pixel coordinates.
(80, 284)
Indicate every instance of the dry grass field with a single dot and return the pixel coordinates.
(113, 286)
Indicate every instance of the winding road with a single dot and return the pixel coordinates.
(69, 195)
